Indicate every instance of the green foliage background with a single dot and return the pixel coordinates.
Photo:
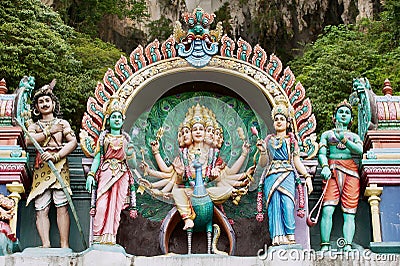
(36, 41)
(328, 66)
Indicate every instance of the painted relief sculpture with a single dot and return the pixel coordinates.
(279, 153)
(8, 241)
(198, 179)
(199, 44)
(191, 134)
(340, 173)
(110, 179)
(57, 140)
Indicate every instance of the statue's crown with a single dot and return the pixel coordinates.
(282, 108)
(114, 105)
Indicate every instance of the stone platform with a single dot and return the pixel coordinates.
(278, 257)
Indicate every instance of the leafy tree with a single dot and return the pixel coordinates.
(34, 41)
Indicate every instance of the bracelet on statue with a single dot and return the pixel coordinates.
(156, 152)
(307, 176)
(130, 156)
(56, 157)
(324, 165)
(132, 208)
(91, 173)
(344, 140)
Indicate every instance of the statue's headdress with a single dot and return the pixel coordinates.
(343, 103)
(346, 104)
(114, 104)
(197, 116)
(283, 108)
(46, 90)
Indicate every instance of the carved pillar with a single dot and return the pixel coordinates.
(16, 188)
(373, 192)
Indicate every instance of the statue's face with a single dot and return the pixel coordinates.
(218, 138)
(116, 120)
(198, 132)
(343, 115)
(209, 138)
(180, 139)
(45, 105)
(280, 123)
(187, 136)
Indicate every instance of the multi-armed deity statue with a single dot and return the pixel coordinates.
(198, 170)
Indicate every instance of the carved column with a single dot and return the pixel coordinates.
(373, 192)
(16, 188)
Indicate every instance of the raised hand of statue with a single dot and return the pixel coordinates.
(92, 212)
(245, 148)
(215, 172)
(133, 214)
(155, 146)
(178, 166)
(261, 146)
(339, 131)
(144, 167)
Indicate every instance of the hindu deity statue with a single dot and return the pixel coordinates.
(110, 177)
(279, 153)
(199, 138)
(340, 174)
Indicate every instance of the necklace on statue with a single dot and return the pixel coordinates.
(118, 145)
(277, 142)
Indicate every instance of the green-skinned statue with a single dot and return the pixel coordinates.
(340, 174)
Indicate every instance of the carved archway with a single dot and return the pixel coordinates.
(152, 72)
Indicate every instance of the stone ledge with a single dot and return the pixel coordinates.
(278, 257)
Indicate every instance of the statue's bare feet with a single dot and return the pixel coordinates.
(188, 224)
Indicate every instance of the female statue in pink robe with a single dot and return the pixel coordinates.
(111, 174)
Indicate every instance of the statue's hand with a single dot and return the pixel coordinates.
(144, 167)
(215, 172)
(245, 148)
(261, 145)
(46, 156)
(155, 146)
(326, 173)
(178, 166)
(90, 183)
(133, 214)
(92, 212)
(56, 128)
(309, 185)
(250, 171)
(130, 149)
